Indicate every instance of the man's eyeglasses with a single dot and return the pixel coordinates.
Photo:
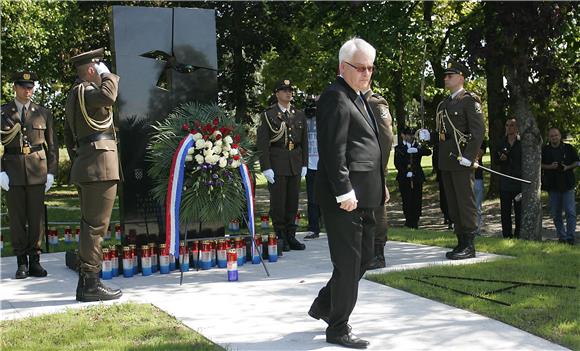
(361, 69)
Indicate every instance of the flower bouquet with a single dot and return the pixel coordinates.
(211, 189)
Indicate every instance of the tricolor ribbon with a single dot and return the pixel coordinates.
(247, 182)
(174, 189)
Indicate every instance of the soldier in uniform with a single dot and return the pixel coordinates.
(460, 127)
(380, 109)
(283, 146)
(91, 141)
(29, 163)
(410, 175)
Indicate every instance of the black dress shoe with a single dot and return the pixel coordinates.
(312, 236)
(34, 267)
(295, 244)
(377, 262)
(348, 340)
(22, 271)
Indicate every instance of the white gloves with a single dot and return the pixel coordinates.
(464, 162)
(424, 135)
(412, 150)
(4, 181)
(269, 174)
(304, 170)
(49, 182)
(409, 174)
(101, 68)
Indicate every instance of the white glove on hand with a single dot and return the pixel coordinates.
(412, 150)
(424, 135)
(304, 170)
(464, 162)
(4, 181)
(101, 68)
(49, 182)
(409, 174)
(269, 174)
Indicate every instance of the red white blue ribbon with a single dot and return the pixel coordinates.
(249, 189)
(174, 190)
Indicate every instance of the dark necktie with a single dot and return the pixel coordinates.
(361, 105)
(23, 115)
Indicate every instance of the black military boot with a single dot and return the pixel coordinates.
(34, 268)
(22, 271)
(283, 244)
(468, 250)
(293, 242)
(460, 246)
(379, 259)
(90, 288)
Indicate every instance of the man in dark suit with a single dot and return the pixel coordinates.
(91, 142)
(27, 171)
(461, 128)
(282, 141)
(349, 187)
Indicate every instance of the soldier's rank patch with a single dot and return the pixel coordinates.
(478, 107)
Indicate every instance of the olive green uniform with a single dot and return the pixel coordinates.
(461, 129)
(95, 164)
(27, 159)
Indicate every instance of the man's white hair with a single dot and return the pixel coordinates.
(353, 45)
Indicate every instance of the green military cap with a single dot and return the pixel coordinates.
(454, 67)
(88, 57)
(283, 84)
(24, 78)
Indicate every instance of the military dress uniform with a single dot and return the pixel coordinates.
(460, 125)
(411, 177)
(30, 153)
(90, 139)
(380, 109)
(282, 142)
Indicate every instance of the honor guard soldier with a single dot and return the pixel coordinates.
(91, 142)
(29, 154)
(283, 146)
(380, 109)
(460, 126)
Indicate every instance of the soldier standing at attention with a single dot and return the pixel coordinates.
(380, 109)
(29, 154)
(283, 146)
(460, 126)
(91, 142)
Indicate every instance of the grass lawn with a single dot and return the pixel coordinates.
(548, 312)
(126, 326)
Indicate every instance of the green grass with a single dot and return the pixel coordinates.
(551, 313)
(126, 326)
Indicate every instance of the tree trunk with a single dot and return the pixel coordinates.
(400, 115)
(518, 73)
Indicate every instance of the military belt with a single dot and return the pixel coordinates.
(95, 137)
(19, 151)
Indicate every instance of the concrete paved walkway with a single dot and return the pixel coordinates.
(259, 313)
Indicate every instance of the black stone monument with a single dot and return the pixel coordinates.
(165, 57)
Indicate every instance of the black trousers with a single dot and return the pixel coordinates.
(506, 200)
(284, 201)
(350, 240)
(313, 208)
(26, 207)
(412, 195)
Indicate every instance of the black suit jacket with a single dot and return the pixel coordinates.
(349, 149)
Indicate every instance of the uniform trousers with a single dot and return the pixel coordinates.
(412, 196)
(97, 199)
(381, 226)
(350, 240)
(460, 197)
(26, 207)
(284, 201)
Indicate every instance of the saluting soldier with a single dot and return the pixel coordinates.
(91, 142)
(29, 163)
(283, 145)
(410, 175)
(461, 127)
(380, 109)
